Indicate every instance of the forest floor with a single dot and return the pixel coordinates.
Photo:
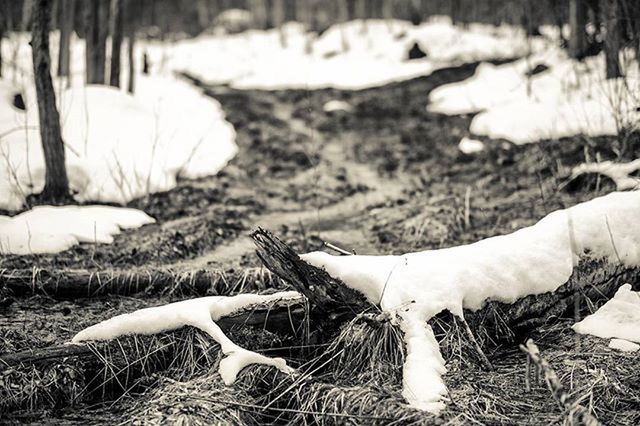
(385, 177)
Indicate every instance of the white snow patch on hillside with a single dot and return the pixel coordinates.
(567, 99)
(530, 261)
(623, 345)
(118, 146)
(48, 229)
(619, 317)
(351, 55)
(201, 313)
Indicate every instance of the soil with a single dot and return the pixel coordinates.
(383, 177)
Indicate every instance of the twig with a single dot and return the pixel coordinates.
(472, 337)
(338, 249)
(581, 414)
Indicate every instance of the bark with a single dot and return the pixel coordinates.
(326, 295)
(578, 23)
(96, 13)
(115, 31)
(2, 30)
(280, 318)
(593, 280)
(77, 283)
(66, 28)
(612, 39)
(131, 41)
(56, 187)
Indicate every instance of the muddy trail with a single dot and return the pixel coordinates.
(383, 176)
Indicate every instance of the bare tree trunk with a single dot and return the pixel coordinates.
(578, 23)
(96, 12)
(56, 187)
(612, 39)
(115, 31)
(259, 10)
(3, 23)
(202, 7)
(131, 41)
(66, 28)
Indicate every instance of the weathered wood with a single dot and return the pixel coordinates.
(593, 280)
(325, 293)
(74, 283)
(285, 318)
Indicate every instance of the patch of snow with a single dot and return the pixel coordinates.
(351, 55)
(619, 317)
(502, 268)
(47, 229)
(620, 173)
(623, 345)
(568, 98)
(470, 146)
(201, 313)
(336, 105)
(118, 146)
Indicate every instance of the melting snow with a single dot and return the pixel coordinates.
(200, 313)
(569, 98)
(623, 345)
(417, 286)
(619, 317)
(48, 229)
(620, 173)
(118, 146)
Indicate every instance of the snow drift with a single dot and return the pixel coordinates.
(533, 260)
(52, 229)
(118, 146)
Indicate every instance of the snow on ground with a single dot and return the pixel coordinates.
(566, 99)
(533, 260)
(618, 318)
(118, 146)
(52, 229)
(200, 313)
(352, 55)
(620, 173)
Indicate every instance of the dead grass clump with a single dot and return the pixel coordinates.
(368, 350)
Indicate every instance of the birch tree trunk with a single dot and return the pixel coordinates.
(56, 187)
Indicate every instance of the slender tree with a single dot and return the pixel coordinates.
(612, 38)
(66, 28)
(96, 13)
(56, 186)
(115, 31)
(578, 24)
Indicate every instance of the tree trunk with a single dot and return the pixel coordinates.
(259, 10)
(66, 28)
(131, 41)
(115, 31)
(3, 21)
(96, 12)
(578, 23)
(612, 39)
(56, 187)
(202, 8)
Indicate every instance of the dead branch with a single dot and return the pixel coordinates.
(280, 317)
(326, 294)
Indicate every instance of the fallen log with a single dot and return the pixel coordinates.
(75, 283)
(286, 317)
(591, 280)
(327, 295)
